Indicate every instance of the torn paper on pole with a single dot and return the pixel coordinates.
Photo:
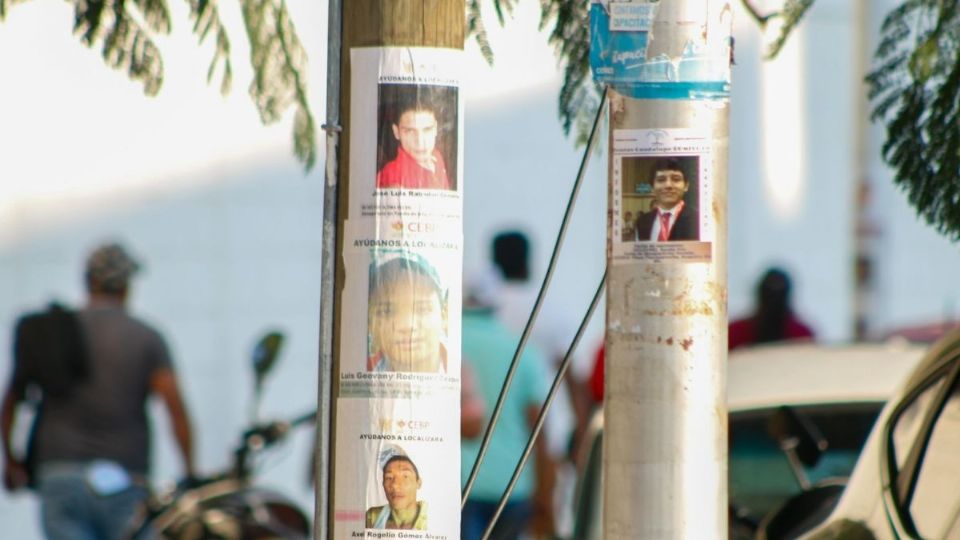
(625, 53)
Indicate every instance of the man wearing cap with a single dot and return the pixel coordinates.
(90, 444)
(401, 481)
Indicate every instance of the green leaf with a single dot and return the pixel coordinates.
(125, 44)
(923, 60)
(206, 19)
(914, 90)
(279, 65)
(476, 30)
(792, 13)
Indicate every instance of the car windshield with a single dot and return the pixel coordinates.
(760, 475)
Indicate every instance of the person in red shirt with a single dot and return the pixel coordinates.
(773, 319)
(418, 164)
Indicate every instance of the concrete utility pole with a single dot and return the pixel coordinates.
(665, 437)
(370, 23)
(865, 231)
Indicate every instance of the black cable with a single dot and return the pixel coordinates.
(546, 407)
(508, 380)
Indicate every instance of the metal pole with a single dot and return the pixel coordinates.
(664, 463)
(327, 277)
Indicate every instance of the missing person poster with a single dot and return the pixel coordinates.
(662, 192)
(406, 137)
(398, 387)
(392, 471)
(402, 330)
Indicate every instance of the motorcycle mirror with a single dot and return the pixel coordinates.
(265, 355)
(791, 429)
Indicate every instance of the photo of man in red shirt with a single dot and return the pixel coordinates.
(417, 135)
(418, 165)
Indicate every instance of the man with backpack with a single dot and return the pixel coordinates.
(90, 374)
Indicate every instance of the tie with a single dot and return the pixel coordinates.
(664, 227)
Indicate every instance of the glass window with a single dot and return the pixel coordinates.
(760, 477)
(936, 496)
(908, 422)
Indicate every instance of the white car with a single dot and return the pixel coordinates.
(907, 481)
(839, 389)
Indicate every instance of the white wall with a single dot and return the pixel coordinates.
(792, 167)
(801, 216)
(224, 264)
(227, 224)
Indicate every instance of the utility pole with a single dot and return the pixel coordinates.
(865, 229)
(664, 455)
(394, 394)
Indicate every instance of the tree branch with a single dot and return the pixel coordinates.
(755, 13)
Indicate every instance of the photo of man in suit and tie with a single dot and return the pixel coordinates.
(673, 215)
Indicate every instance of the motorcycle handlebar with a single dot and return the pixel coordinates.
(264, 435)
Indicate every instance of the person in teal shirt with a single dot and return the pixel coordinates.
(488, 347)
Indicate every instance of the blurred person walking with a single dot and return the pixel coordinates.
(552, 333)
(773, 318)
(488, 347)
(89, 374)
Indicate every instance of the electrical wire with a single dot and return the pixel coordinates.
(508, 380)
(546, 406)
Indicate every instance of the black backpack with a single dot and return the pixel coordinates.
(50, 351)
(50, 355)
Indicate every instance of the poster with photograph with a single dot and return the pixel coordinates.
(661, 184)
(398, 347)
(400, 336)
(394, 461)
(406, 134)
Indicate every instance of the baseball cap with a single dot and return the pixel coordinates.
(110, 267)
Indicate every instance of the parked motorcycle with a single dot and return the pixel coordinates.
(228, 506)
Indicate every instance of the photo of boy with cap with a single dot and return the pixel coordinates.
(401, 481)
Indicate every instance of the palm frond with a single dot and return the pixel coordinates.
(206, 20)
(915, 91)
(279, 65)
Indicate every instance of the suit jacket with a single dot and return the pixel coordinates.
(684, 228)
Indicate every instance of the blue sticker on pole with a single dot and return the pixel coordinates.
(620, 36)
